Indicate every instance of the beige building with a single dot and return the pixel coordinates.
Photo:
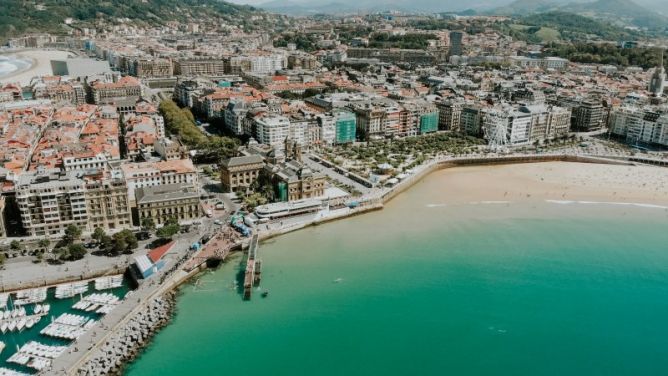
(160, 203)
(203, 67)
(107, 202)
(152, 68)
(295, 181)
(238, 173)
(126, 88)
(170, 150)
(147, 174)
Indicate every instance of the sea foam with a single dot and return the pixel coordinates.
(636, 204)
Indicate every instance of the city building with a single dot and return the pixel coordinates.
(272, 130)
(524, 125)
(295, 181)
(199, 67)
(239, 173)
(126, 88)
(51, 200)
(150, 174)
(456, 47)
(152, 68)
(658, 81)
(588, 115)
(640, 125)
(164, 202)
(345, 126)
(471, 119)
(394, 55)
(449, 115)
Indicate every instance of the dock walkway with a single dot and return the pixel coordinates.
(253, 267)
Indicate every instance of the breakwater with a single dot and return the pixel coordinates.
(130, 339)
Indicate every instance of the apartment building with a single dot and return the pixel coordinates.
(152, 68)
(51, 200)
(449, 115)
(126, 88)
(640, 125)
(199, 67)
(272, 130)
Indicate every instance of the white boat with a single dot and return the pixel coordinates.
(4, 327)
(21, 324)
(31, 322)
(38, 309)
(2, 346)
(12, 326)
(46, 308)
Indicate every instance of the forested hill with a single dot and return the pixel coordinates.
(21, 16)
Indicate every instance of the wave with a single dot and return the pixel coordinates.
(636, 204)
(11, 64)
(489, 202)
(436, 205)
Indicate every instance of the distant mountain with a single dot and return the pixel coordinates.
(435, 6)
(301, 9)
(20, 16)
(304, 7)
(522, 7)
(622, 12)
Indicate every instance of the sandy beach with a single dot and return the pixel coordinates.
(41, 65)
(560, 182)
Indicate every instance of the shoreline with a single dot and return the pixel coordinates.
(171, 286)
(40, 64)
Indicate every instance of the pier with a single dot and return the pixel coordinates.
(218, 248)
(253, 268)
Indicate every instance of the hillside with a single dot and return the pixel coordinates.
(621, 12)
(20, 16)
(562, 26)
(523, 7)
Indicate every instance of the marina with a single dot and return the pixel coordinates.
(38, 325)
(36, 355)
(18, 319)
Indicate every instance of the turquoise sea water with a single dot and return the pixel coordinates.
(528, 288)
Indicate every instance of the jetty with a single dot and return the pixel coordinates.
(253, 267)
